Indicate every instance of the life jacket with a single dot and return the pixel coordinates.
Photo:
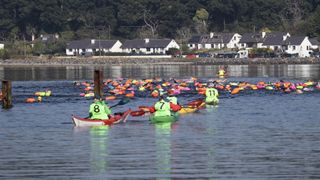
(98, 111)
(162, 108)
(212, 95)
(173, 100)
(221, 72)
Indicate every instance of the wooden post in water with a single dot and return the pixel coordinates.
(98, 83)
(6, 95)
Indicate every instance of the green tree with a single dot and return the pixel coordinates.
(200, 20)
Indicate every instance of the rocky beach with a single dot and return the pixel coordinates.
(65, 61)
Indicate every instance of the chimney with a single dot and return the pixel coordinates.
(285, 36)
(56, 36)
(146, 40)
(211, 35)
(263, 34)
(93, 41)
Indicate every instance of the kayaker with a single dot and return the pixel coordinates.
(171, 98)
(221, 71)
(163, 107)
(99, 110)
(212, 95)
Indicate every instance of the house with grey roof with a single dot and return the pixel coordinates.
(252, 40)
(299, 45)
(93, 46)
(315, 44)
(275, 41)
(149, 46)
(215, 41)
(49, 38)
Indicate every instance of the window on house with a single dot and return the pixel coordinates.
(294, 47)
(307, 47)
(70, 49)
(148, 49)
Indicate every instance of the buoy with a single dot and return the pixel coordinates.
(130, 95)
(88, 88)
(111, 97)
(90, 94)
(30, 100)
(155, 93)
(40, 93)
(235, 91)
(269, 88)
(287, 90)
(48, 93)
(43, 93)
(254, 87)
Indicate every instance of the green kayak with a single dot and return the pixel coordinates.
(161, 119)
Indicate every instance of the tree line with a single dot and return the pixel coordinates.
(128, 19)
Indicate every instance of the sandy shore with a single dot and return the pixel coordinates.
(65, 61)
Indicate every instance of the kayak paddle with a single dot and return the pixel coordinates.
(121, 102)
(137, 113)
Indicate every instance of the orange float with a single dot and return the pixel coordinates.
(111, 97)
(130, 95)
(155, 93)
(30, 100)
(235, 91)
(253, 87)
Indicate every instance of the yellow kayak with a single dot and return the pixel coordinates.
(190, 109)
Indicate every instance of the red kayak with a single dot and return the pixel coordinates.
(77, 121)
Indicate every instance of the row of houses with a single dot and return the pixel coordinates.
(137, 46)
(282, 42)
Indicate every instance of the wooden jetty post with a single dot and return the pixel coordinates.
(98, 83)
(6, 94)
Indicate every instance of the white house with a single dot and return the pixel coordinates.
(215, 41)
(299, 45)
(275, 40)
(93, 46)
(149, 46)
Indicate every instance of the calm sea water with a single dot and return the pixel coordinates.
(254, 135)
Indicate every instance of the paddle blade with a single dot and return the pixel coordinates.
(123, 101)
(137, 113)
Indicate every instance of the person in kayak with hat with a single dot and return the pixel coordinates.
(171, 98)
(212, 94)
(163, 107)
(99, 110)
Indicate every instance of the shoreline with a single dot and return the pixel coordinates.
(82, 61)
